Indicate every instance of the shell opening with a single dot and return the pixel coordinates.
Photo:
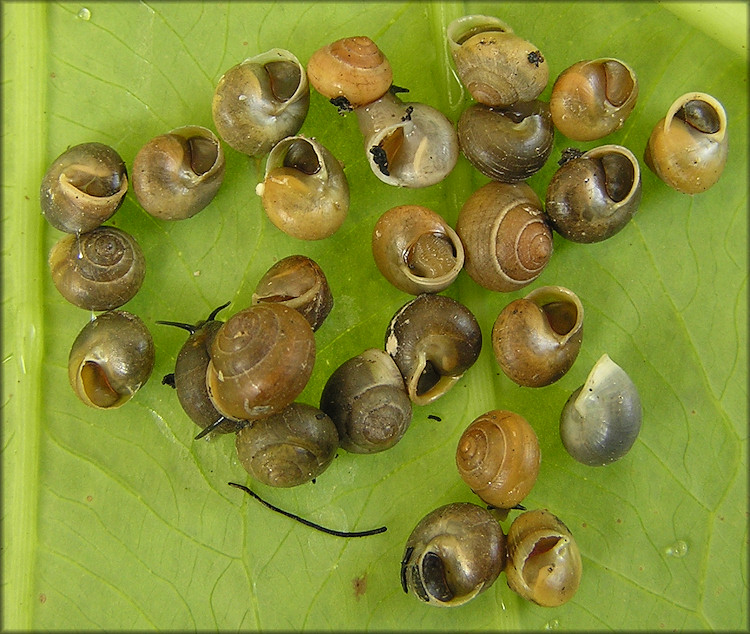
(700, 115)
(99, 185)
(96, 385)
(301, 155)
(203, 154)
(540, 557)
(562, 316)
(434, 578)
(431, 255)
(428, 379)
(619, 175)
(619, 84)
(389, 149)
(284, 78)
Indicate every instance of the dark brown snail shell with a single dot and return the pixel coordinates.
(453, 554)
(83, 187)
(592, 197)
(190, 376)
(101, 269)
(110, 360)
(261, 360)
(536, 339)
(367, 401)
(507, 144)
(298, 282)
(433, 339)
(288, 448)
(176, 175)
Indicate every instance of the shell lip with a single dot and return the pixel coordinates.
(461, 29)
(546, 295)
(283, 55)
(604, 150)
(280, 151)
(678, 103)
(439, 282)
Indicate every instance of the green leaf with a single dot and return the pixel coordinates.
(120, 520)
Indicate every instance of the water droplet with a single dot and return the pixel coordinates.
(679, 549)
(554, 624)
(84, 14)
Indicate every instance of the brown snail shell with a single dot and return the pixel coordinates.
(544, 562)
(453, 554)
(496, 66)
(407, 144)
(498, 456)
(189, 377)
(367, 401)
(298, 282)
(433, 339)
(176, 175)
(593, 98)
(507, 144)
(416, 250)
(592, 197)
(305, 192)
(83, 187)
(288, 448)
(261, 101)
(688, 148)
(536, 339)
(101, 269)
(111, 358)
(353, 68)
(505, 234)
(261, 360)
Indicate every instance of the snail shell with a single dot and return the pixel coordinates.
(433, 339)
(261, 360)
(508, 144)
(260, 101)
(176, 175)
(602, 418)
(593, 98)
(97, 270)
(498, 456)
(353, 68)
(288, 448)
(190, 375)
(367, 401)
(83, 187)
(298, 282)
(688, 148)
(544, 562)
(453, 554)
(111, 358)
(592, 197)
(496, 66)
(407, 144)
(416, 250)
(536, 339)
(305, 192)
(505, 236)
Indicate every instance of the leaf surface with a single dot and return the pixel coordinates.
(120, 520)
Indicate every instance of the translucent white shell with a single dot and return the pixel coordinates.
(601, 420)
